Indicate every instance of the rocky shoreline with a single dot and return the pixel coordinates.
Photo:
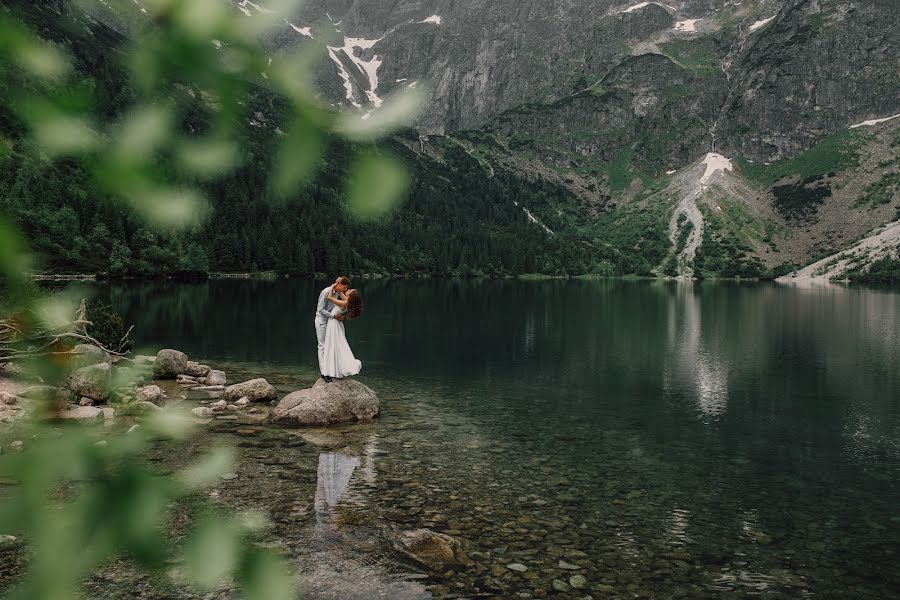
(100, 387)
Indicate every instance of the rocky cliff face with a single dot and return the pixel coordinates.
(765, 78)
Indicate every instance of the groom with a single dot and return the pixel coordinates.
(323, 313)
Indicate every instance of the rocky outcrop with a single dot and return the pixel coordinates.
(169, 364)
(91, 382)
(436, 551)
(195, 369)
(215, 377)
(87, 355)
(81, 413)
(150, 393)
(342, 401)
(256, 390)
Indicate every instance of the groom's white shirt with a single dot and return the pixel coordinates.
(323, 313)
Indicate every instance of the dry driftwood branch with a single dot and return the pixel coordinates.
(16, 344)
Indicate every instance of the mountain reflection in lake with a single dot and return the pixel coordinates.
(667, 440)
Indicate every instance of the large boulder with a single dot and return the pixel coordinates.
(342, 401)
(195, 369)
(216, 377)
(150, 393)
(85, 355)
(81, 413)
(257, 390)
(435, 551)
(169, 364)
(91, 382)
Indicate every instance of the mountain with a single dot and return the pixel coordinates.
(711, 138)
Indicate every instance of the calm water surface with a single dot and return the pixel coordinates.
(664, 440)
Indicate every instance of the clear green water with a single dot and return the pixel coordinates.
(705, 441)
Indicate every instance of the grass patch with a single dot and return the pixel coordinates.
(836, 152)
(880, 192)
(699, 58)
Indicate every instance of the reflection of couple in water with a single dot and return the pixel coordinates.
(337, 303)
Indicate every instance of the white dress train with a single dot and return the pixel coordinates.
(338, 360)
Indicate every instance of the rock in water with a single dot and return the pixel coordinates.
(257, 390)
(342, 401)
(195, 369)
(215, 377)
(169, 364)
(202, 412)
(86, 355)
(150, 393)
(91, 382)
(436, 551)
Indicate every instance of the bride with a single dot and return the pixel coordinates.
(338, 360)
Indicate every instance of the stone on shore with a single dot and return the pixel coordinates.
(195, 369)
(81, 413)
(91, 382)
(436, 551)
(342, 401)
(257, 390)
(86, 355)
(8, 399)
(202, 412)
(150, 393)
(169, 364)
(215, 378)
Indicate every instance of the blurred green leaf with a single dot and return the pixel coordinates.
(211, 552)
(42, 60)
(298, 157)
(143, 131)
(208, 157)
(208, 470)
(375, 185)
(266, 579)
(201, 18)
(170, 207)
(64, 135)
(398, 110)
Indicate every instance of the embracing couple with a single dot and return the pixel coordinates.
(337, 303)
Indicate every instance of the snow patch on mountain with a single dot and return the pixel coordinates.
(536, 221)
(688, 25)
(243, 8)
(687, 212)
(641, 5)
(435, 19)
(345, 76)
(369, 68)
(307, 31)
(872, 122)
(760, 23)
(714, 162)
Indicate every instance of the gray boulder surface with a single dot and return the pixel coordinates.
(342, 401)
(81, 413)
(215, 377)
(88, 354)
(91, 382)
(195, 369)
(257, 390)
(150, 393)
(169, 364)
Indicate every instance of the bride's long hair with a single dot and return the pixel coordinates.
(354, 304)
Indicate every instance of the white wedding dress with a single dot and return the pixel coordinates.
(338, 360)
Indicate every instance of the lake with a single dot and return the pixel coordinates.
(658, 439)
